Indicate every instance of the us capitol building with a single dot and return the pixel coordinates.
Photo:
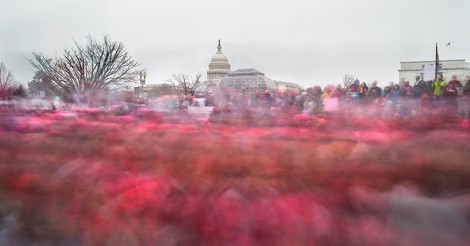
(219, 66)
(241, 81)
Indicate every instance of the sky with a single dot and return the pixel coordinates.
(309, 42)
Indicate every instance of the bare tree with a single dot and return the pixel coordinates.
(209, 86)
(7, 82)
(186, 84)
(41, 83)
(20, 92)
(348, 80)
(91, 69)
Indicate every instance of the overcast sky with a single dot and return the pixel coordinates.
(310, 42)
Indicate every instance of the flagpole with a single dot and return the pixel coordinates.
(449, 52)
(436, 64)
(450, 56)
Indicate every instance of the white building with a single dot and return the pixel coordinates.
(241, 80)
(246, 81)
(426, 69)
(219, 67)
(283, 86)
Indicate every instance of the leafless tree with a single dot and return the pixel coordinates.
(186, 84)
(91, 69)
(209, 87)
(41, 82)
(348, 80)
(7, 82)
(20, 92)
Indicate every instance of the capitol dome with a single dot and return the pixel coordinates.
(219, 66)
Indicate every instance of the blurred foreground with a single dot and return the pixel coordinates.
(91, 178)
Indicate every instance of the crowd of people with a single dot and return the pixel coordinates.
(130, 175)
(421, 99)
(449, 99)
(90, 177)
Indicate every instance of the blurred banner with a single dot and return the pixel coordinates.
(429, 72)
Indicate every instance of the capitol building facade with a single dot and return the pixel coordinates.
(219, 66)
(240, 81)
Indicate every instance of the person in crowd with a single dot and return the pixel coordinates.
(375, 97)
(363, 92)
(455, 83)
(438, 87)
(317, 95)
(418, 86)
(338, 92)
(450, 98)
(426, 104)
(375, 92)
(299, 100)
(309, 105)
(353, 94)
(406, 89)
(454, 80)
(290, 98)
(268, 99)
(52, 107)
(408, 103)
(327, 92)
(466, 86)
(464, 101)
(386, 92)
(352, 98)
(256, 99)
(391, 84)
(395, 94)
(427, 87)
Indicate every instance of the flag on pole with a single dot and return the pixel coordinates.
(448, 44)
(437, 64)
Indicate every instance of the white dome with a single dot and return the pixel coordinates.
(219, 66)
(219, 58)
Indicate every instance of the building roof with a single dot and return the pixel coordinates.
(427, 61)
(245, 72)
(246, 80)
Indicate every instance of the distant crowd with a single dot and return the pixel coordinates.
(450, 99)
(422, 98)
